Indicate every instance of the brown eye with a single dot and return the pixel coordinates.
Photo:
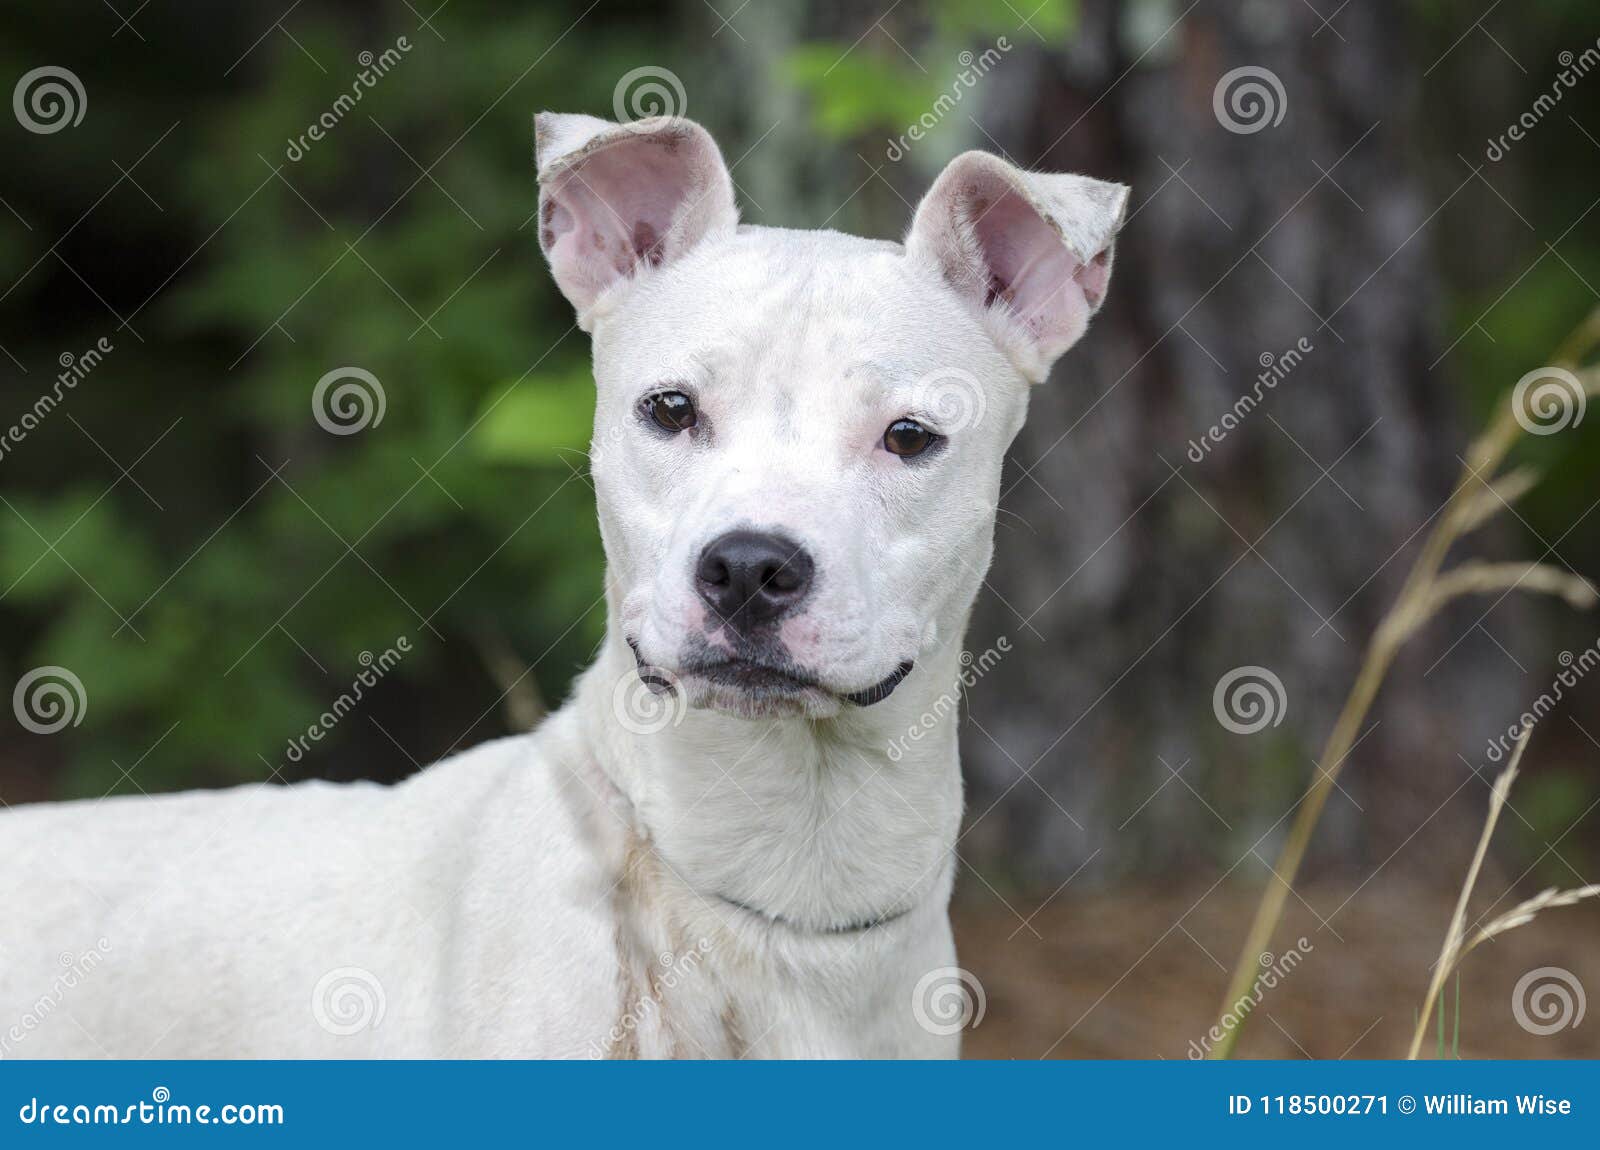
(671, 410)
(907, 437)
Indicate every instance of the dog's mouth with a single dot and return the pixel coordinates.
(762, 679)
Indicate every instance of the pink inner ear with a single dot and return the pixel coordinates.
(1094, 277)
(613, 212)
(1029, 268)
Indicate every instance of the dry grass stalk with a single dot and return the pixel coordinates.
(1479, 494)
(1450, 953)
(1476, 578)
(1455, 948)
(1524, 912)
(1497, 496)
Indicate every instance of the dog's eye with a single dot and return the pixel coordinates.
(907, 437)
(671, 410)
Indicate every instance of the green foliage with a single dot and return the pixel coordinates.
(1549, 801)
(1455, 1031)
(852, 92)
(1545, 264)
(876, 83)
(280, 552)
(543, 419)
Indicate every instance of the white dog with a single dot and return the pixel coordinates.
(725, 844)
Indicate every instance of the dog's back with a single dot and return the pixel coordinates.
(318, 920)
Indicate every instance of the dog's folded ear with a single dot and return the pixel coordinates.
(618, 199)
(1031, 251)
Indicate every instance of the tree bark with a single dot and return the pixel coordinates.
(1131, 576)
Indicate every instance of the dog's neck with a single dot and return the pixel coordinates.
(824, 825)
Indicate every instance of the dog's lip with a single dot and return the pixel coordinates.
(882, 689)
(748, 673)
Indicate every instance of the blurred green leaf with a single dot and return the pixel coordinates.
(540, 420)
(852, 90)
(1051, 20)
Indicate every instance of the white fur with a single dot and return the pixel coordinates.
(591, 888)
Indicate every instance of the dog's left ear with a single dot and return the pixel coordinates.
(1032, 252)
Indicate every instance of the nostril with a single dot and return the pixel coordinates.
(780, 578)
(714, 571)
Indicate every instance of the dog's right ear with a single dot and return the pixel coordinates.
(618, 199)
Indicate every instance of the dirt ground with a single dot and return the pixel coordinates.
(1141, 973)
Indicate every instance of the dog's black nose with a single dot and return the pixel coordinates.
(750, 578)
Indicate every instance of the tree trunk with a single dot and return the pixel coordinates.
(1133, 570)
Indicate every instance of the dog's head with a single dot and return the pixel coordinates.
(799, 434)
